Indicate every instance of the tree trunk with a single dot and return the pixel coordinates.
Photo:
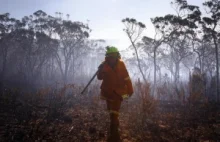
(66, 72)
(176, 73)
(200, 64)
(217, 69)
(155, 70)
(138, 60)
(4, 63)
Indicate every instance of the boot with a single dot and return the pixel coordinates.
(114, 135)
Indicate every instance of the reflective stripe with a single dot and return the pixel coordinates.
(103, 98)
(114, 112)
(127, 78)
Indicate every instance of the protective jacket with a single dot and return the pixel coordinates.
(116, 81)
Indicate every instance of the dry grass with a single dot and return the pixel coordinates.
(61, 114)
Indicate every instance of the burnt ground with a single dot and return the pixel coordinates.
(84, 119)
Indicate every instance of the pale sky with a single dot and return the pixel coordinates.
(104, 15)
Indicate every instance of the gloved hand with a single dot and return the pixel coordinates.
(125, 96)
(101, 65)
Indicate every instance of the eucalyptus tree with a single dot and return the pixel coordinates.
(134, 29)
(7, 25)
(72, 38)
(211, 28)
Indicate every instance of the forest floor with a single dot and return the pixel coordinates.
(84, 119)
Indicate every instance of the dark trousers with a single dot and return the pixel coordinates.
(113, 108)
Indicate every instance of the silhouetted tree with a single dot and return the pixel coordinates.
(134, 29)
(72, 37)
(212, 34)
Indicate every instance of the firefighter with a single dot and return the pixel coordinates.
(116, 86)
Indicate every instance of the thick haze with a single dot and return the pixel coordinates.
(103, 16)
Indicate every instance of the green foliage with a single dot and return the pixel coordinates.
(208, 20)
(35, 41)
(133, 21)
